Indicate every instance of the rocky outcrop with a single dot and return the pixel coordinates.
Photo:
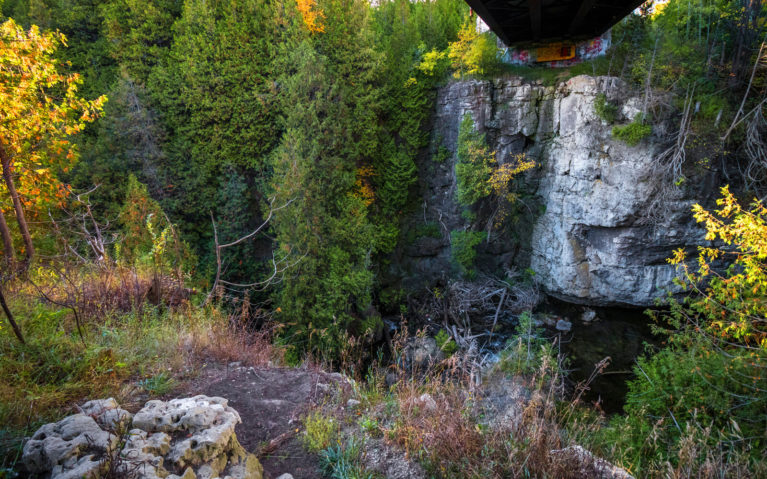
(582, 463)
(189, 438)
(583, 230)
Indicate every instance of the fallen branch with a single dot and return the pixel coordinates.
(274, 444)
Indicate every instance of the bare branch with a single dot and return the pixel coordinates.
(279, 266)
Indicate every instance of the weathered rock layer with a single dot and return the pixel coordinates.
(584, 230)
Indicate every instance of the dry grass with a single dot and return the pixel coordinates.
(223, 340)
(118, 345)
(441, 418)
(442, 429)
(97, 292)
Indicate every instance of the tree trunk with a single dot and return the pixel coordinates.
(5, 161)
(5, 234)
(9, 315)
(747, 28)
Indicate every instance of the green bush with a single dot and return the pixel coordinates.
(464, 252)
(475, 164)
(321, 431)
(158, 384)
(632, 133)
(445, 342)
(425, 230)
(604, 109)
(706, 386)
(441, 155)
(687, 392)
(527, 349)
(344, 461)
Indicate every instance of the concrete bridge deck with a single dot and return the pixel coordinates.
(529, 22)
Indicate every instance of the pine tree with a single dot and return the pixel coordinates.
(140, 33)
(217, 98)
(330, 136)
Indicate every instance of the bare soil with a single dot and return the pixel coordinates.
(271, 403)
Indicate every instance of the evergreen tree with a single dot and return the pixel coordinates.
(128, 140)
(322, 165)
(140, 33)
(217, 99)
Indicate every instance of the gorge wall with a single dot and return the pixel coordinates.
(582, 222)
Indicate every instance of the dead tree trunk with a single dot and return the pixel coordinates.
(5, 234)
(747, 28)
(5, 161)
(9, 315)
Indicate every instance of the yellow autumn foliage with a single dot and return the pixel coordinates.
(39, 112)
(732, 304)
(312, 15)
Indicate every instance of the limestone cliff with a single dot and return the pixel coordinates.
(582, 227)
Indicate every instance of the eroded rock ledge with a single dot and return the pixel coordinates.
(584, 226)
(188, 438)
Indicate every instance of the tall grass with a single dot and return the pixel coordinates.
(129, 348)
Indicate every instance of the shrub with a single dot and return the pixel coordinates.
(463, 244)
(527, 349)
(632, 133)
(441, 155)
(478, 174)
(445, 342)
(424, 230)
(707, 385)
(321, 431)
(158, 384)
(343, 461)
(475, 164)
(604, 109)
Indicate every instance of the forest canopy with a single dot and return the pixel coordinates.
(242, 175)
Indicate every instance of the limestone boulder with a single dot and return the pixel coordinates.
(71, 448)
(576, 458)
(189, 438)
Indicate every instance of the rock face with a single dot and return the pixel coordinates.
(577, 460)
(422, 352)
(583, 228)
(190, 438)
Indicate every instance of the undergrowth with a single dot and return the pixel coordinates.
(604, 109)
(121, 353)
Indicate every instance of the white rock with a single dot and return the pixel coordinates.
(576, 458)
(194, 435)
(107, 413)
(59, 445)
(564, 325)
(588, 316)
(593, 243)
(427, 402)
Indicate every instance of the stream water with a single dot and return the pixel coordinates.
(618, 333)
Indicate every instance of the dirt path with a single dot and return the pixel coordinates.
(271, 402)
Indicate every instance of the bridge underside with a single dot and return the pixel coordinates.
(519, 22)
